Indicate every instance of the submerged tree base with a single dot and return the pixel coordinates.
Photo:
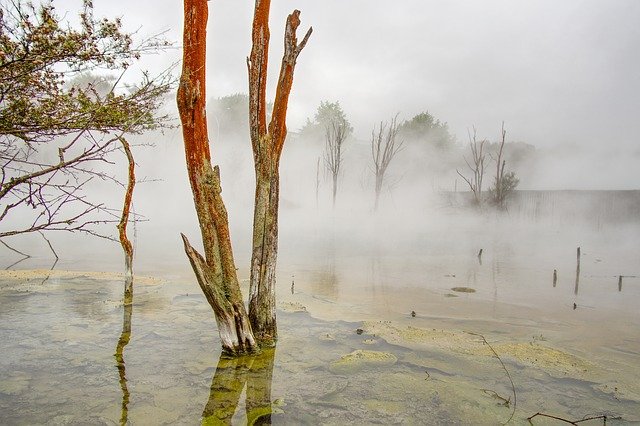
(233, 324)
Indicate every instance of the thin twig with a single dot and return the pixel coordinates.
(505, 401)
(26, 256)
(50, 246)
(54, 253)
(16, 262)
(513, 387)
(574, 422)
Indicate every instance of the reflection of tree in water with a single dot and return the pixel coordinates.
(125, 336)
(85, 296)
(324, 283)
(378, 279)
(575, 289)
(229, 380)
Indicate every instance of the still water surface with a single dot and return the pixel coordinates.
(367, 335)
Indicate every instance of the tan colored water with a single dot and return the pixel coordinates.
(350, 349)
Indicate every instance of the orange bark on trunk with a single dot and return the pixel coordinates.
(127, 247)
(216, 271)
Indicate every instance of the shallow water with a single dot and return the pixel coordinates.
(59, 337)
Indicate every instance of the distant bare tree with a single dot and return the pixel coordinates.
(336, 133)
(476, 167)
(317, 180)
(503, 184)
(384, 147)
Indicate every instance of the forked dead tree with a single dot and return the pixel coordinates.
(500, 163)
(476, 167)
(216, 272)
(267, 143)
(384, 147)
(503, 184)
(336, 133)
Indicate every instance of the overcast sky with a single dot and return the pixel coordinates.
(563, 75)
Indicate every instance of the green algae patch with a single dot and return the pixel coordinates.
(424, 338)
(292, 307)
(28, 275)
(15, 384)
(384, 407)
(360, 360)
(555, 362)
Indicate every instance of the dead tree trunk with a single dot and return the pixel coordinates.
(336, 133)
(383, 148)
(127, 247)
(499, 191)
(476, 167)
(216, 272)
(267, 144)
(317, 183)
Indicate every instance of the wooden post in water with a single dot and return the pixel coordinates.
(619, 282)
(555, 277)
(575, 291)
(480, 257)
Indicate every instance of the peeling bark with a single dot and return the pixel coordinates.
(216, 271)
(267, 143)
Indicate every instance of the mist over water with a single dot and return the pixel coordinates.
(426, 259)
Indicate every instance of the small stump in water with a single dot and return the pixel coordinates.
(464, 289)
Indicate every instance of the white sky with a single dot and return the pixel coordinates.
(563, 75)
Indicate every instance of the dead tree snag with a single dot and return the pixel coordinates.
(267, 144)
(476, 167)
(127, 247)
(336, 134)
(216, 272)
(384, 147)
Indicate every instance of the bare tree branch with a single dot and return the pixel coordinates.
(476, 167)
(59, 126)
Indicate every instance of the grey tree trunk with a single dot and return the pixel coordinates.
(262, 306)
(267, 143)
(379, 180)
